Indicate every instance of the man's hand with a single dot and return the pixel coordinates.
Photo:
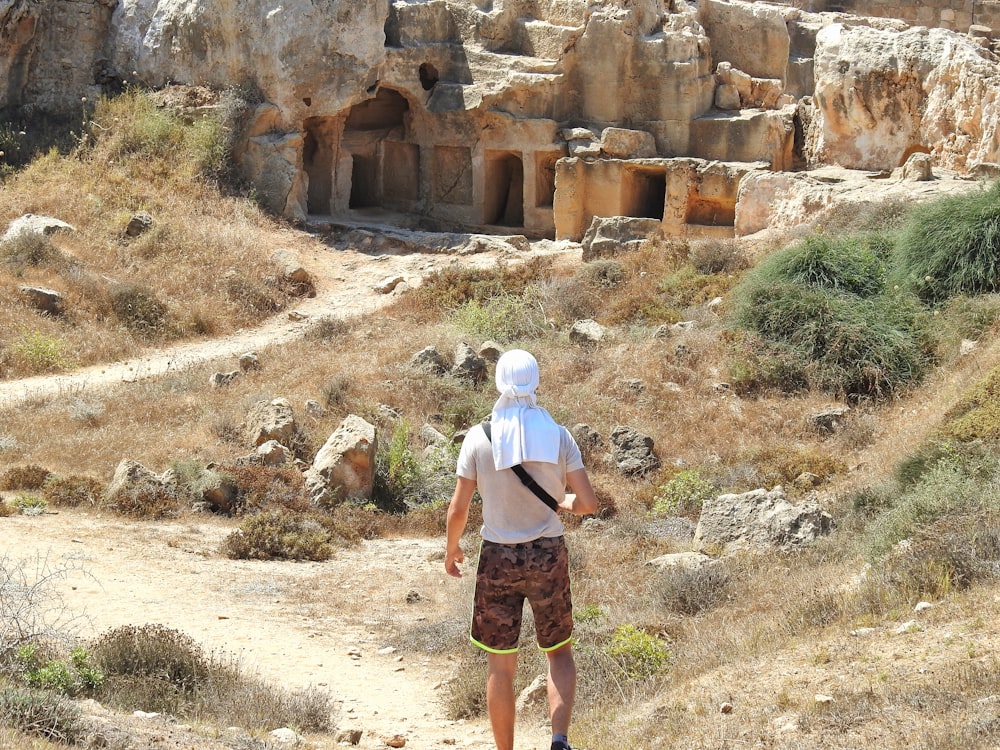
(452, 559)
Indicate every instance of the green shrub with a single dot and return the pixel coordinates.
(69, 677)
(638, 654)
(683, 494)
(853, 264)
(41, 352)
(976, 415)
(30, 504)
(279, 535)
(951, 246)
(138, 309)
(27, 477)
(72, 491)
(954, 484)
(41, 713)
(504, 317)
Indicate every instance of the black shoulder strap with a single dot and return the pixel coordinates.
(525, 477)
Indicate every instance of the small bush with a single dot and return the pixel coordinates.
(31, 249)
(711, 256)
(252, 297)
(976, 416)
(30, 504)
(783, 464)
(149, 500)
(696, 590)
(151, 651)
(279, 535)
(454, 286)
(336, 390)
(41, 713)
(70, 677)
(28, 477)
(951, 246)
(41, 352)
(86, 412)
(6, 509)
(504, 317)
(262, 487)
(683, 494)
(72, 491)
(138, 309)
(638, 654)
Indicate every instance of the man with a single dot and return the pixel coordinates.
(523, 555)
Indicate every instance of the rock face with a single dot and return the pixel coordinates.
(525, 117)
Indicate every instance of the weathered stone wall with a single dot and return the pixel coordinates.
(957, 15)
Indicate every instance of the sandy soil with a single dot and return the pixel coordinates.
(299, 624)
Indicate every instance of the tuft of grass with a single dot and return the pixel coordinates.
(41, 713)
(694, 591)
(138, 309)
(638, 654)
(951, 246)
(41, 352)
(72, 491)
(504, 317)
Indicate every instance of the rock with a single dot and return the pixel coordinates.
(535, 694)
(610, 236)
(32, 224)
(758, 519)
(468, 365)
(586, 437)
(918, 168)
(220, 379)
(682, 560)
(293, 273)
(490, 351)
(47, 301)
(273, 453)
(249, 361)
(620, 143)
(828, 420)
(388, 284)
(140, 223)
(632, 452)
(344, 468)
(429, 359)
(134, 486)
(397, 740)
(587, 332)
(270, 420)
(315, 409)
(429, 435)
(285, 736)
(219, 492)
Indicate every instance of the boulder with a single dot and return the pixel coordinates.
(468, 365)
(139, 224)
(621, 143)
(429, 359)
(344, 468)
(758, 519)
(632, 452)
(48, 301)
(270, 420)
(587, 332)
(609, 236)
(32, 224)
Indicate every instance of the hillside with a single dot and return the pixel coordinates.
(777, 649)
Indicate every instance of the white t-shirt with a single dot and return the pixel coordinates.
(512, 513)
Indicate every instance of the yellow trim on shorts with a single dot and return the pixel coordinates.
(557, 646)
(489, 650)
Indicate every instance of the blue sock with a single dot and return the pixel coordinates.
(564, 739)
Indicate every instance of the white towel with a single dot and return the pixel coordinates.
(521, 429)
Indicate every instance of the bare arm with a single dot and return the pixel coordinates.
(582, 501)
(458, 517)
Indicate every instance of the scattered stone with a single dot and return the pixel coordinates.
(397, 740)
(388, 284)
(682, 561)
(315, 409)
(285, 736)
(490, 351)
(249, 361)
(587, 332)
(726, 708)
(140, 223)
(468, 365)
(910, 626)
(632, 452)
(430, 359)
(293, 273)
(828, 420)
(921, 606)
(535, 694)
(32, 224)
(823, 699)
(47, 301)
(270, 420)
(413, 596)
(222, 379)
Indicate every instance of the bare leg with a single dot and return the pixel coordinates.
(500, 698)
(562, 687)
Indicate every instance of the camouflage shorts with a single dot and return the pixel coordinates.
(510, 573)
